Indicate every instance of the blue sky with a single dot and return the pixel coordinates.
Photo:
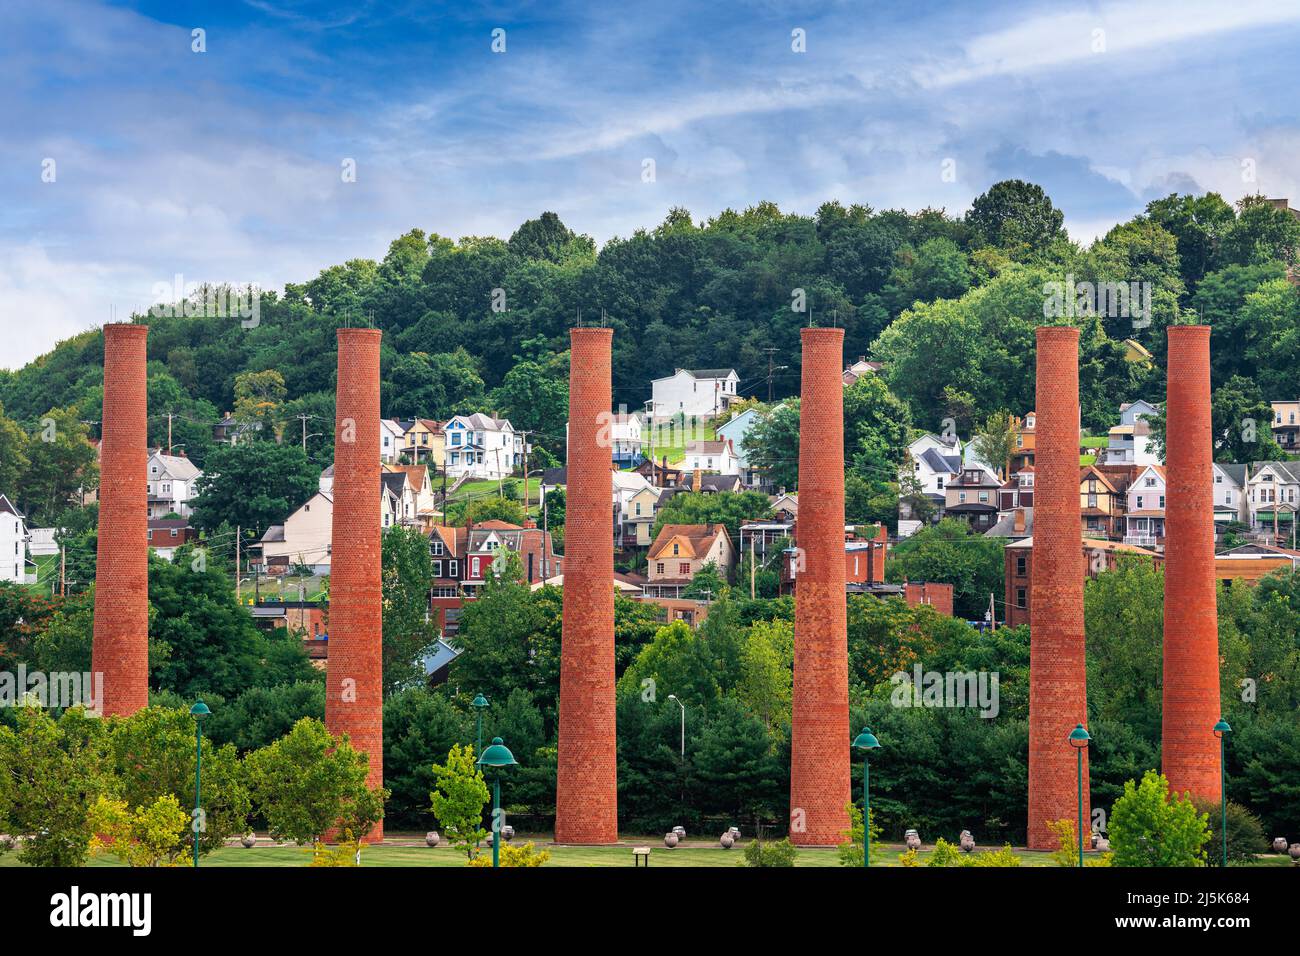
(225, 165)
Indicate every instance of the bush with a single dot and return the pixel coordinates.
(1148, 827)
(771, 853)
(1003, 857)
(1067, 850)
(526, 855)
(1245, 833)
(851, 853)
(945, 854)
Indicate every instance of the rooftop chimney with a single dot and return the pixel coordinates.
(819, 753)
(1190, 753)
(120, 648)
(1057, 682)
(586, 793)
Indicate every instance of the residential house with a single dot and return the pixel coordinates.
(167, 534)
(860, 368)
(934, 462)
(638, 518)
(660, 473)
(1129, 442)
(1273, 491)
(391, 441)
(423, 441)
(1144, 513)
(625, 438)
(230, 430)
(864, 560)
(680, 550)
(734, 431)
(463, 559)
(15, 566)
(303, 540)
(973, 496)
(482, 447)
(1286, 425)
(1023, 446)
(701, 392)
(1136, 353)
(718, 457)
(422, 498)
(171, 484)
(1230, 497)
(785, 507)
(1017, 491)
(1101, 506)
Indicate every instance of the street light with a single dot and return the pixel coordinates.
(673, 697)
(480, 703)
(866, 742)
(497, 756)
(1221, 730)
(1079, 739)
(198, 712)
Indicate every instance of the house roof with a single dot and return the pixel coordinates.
(698, 538)
(273, 533)
(1236, 473)
(1286, 469)
(710, 372)
(1093, 544)
(720, 447)
(177, 466)
(7, 507)
(950, 464)
(720, 482)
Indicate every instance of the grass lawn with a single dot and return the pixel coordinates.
(47, 575)
(1094, 441)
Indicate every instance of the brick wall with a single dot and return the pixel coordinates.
(1057, 682)
(937, 595)
(354, 676)
(121, 631)
(586, 793)
(820, 738)
(1190, 751)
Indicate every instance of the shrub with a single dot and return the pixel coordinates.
(1003, 857)
(945, 854)
(1149, 827)
(851, 853)
(526, 855)
(909, 859)
(1245, 833)
(1067, 850)
(770, 853)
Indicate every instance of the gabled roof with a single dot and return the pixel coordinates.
(720, 447)
(941, 463)
(698, 538)
(176, 466)
(1235, 473)
(7, 507)
(1290, 470)
(1085, 470)
(710, 372)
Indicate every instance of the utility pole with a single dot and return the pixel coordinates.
(170, 416)
(525, 447)
(303, 419)
(752, 571)
(237, 542)
(63, 571)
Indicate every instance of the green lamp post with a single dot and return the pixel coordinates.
(497, 756)
(1079, 739)
(1221, 730)
(866, 742)
(480, 704)
(198, 712)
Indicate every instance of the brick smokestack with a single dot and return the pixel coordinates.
(121, 634)
(1190, 752)
(586, 792)
(354, 672)
(819, 737)
(1058, 694)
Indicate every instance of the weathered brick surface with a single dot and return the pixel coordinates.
(819, 734)
(121, 632)
(586, 793)
(354, 675)
(1057, 679)
(1190, 751)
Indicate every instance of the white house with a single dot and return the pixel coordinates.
(1273, 491)
(390, 440)
(481, 446)
(303, 539)
(171, 484)
(934, 462)
(1144, 520)
(1129, 442)
(14, 563)
(1230, 493)
(625, 439)
(1131, 412)
(715, 456)
(693, 392)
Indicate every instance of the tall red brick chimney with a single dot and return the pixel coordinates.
(586, 792)
(1190, 752)
(819, 734)
(120, 651)
(354, 671)
(1058, 697)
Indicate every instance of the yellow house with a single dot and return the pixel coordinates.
(679, 550)
(1136, 353)
(423, 443)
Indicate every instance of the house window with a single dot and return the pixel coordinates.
(676, 549)
(659, 568)
(1020, 598)
(437, 569)
(1139, 503)
(684, 568)
(984, 497)
(1022, 563)
(961, 497)
(437, 547)
(940, 482)
(452, 568)
(1162, 501)
(475, 568)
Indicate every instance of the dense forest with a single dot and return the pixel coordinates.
(948, 303)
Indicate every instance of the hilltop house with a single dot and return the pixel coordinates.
(171, 484)
(463, 559)
(1286, 425)
(934, 463)
(714, 456)
(422, 441)
(1230, 502)
(15, 566)
(1144, 518)
(972, 496)
(680, 550)
(693, 392)
(390, 440)
(735, 431)
(1273, 492)
(482, 447)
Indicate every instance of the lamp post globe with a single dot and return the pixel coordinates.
(1079, 739)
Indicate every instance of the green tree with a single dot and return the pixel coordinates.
(309, 783)
(995, 441)
(729, 508)
(408, 634)
(766, 666)
(258, 400)
(253, 485)
(951, 553)
(1149, 827)
(61, 465)
(1015, 215)
(13, 457)
(458, 799)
